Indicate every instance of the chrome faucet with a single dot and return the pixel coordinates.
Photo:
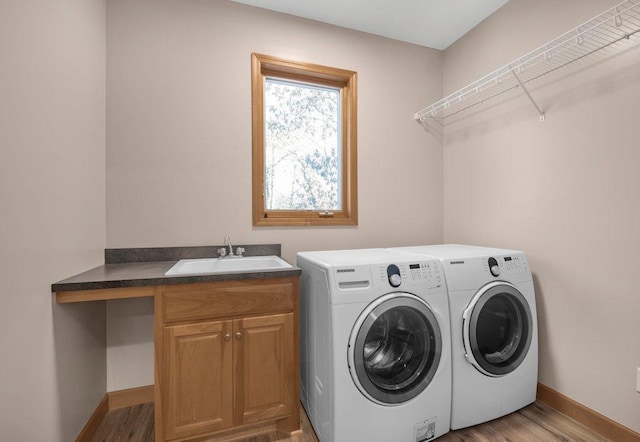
(227, 242)
(222, 252)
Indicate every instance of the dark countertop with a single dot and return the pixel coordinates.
(121, 273)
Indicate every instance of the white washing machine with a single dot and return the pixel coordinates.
(494, 332)
(375, 346)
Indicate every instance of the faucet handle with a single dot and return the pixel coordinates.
(239, 251)
(222, 252)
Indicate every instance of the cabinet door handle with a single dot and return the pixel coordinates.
(227, 337)
(238, 335)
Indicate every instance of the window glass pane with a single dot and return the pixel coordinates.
(302, 139)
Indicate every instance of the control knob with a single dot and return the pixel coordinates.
(393, 275)
(494, 268)
(395, 280)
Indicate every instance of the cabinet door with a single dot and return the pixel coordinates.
(263, 350)
(199, 376)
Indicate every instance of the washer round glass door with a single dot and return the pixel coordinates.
(395, 348)
(497, 329)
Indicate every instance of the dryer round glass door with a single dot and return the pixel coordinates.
(395, 348)
(497, 329)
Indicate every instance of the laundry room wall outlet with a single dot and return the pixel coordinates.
(638, 380)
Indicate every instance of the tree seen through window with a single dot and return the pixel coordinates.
(302, 141)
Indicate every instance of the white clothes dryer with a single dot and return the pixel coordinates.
(494, 332)
(375, 346)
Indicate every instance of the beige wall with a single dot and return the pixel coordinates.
(566, 191)
(179, 135)
(179, 126)
(52, 216)
(129, 343)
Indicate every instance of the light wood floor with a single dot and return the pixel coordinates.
(535, 423)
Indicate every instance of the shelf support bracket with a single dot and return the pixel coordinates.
(526, 91)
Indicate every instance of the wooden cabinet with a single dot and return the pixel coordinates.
(227, 360)
(264, 380)
(200, 378)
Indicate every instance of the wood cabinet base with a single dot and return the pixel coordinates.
(227, 359)
(241, 432)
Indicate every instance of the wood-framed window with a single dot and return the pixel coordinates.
(304, 143)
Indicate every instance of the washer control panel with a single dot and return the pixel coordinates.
(411, 273)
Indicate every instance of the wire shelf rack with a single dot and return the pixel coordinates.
(615, 25)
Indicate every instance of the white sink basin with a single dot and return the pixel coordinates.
(248, 264)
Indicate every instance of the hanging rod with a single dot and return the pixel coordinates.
(615, 25)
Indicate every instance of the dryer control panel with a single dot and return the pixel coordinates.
(505, 266)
